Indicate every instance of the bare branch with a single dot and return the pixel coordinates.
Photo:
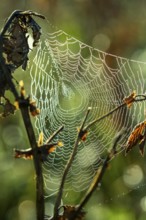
(98, 177)
(7, 66)
(54, 134)
(68, 165)
(137, 98)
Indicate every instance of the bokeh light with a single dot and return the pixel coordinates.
(101, 41)
(27, 210)
(133, 175)
(143, 203)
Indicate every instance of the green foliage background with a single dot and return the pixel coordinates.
(123, 25)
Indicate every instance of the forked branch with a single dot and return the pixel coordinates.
(98, 177)
(13, 43)
(68, 165)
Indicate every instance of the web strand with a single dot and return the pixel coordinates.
(69, 76)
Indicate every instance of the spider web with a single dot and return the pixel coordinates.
(67, 77)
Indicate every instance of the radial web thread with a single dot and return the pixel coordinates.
(69, 76)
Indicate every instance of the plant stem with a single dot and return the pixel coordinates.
(32, 140)
(37, 164)
(98, 178)
(54, 134)
(68, 165)
(141, 97)
(104, 116)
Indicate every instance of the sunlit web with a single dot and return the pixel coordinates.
(69, 76)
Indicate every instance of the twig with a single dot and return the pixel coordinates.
(97, 179)
(104, 116)
(68, 165)
(43, 149)
(37, 163)
(143, 98)
(54, 134)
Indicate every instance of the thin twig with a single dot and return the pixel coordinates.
(104, 116)
(68, 165)
(97, 179)
(143, 98)
(54, 134)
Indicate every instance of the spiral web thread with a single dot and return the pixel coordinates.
(69, 76)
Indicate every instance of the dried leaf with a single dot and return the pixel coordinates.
(83, 134)
(40, 139)
(137, 137)
(36, 30)
(34, 111)
(130, 99)
(16, 104)
(26, 154)
(47, 149)
(9, 108)
(43, 151)
(22, 90)
(69, 211)
(14, 44)
(15, 40)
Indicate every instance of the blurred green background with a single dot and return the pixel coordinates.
(117, 27)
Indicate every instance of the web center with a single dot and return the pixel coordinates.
(69, 97)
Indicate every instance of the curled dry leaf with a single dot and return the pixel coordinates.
(130, 99)
(137, 137)
(14, 43)
(15, 39)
